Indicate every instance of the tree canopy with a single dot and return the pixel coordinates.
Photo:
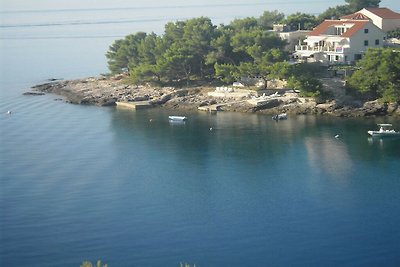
(269, 18)
(301, 21)
(378, 75)
(356, 5)
(335, 12)
(197, 49)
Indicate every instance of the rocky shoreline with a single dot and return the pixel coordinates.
(106, 91)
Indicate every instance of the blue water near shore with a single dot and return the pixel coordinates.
(85, 183)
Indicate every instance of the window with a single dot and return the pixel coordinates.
(365, 30)
(366, 43)
(377, 42)
(357, 56)
(340, 30)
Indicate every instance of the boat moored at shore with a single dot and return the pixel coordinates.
(177, 118)
(385, 130)
(282, 116)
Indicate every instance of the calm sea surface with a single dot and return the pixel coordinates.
(86, 183)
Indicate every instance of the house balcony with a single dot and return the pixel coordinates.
(314, 49)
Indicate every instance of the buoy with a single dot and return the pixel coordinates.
(9, 112)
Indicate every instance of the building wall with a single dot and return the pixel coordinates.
(375, 19)
(370, 36)
(384, 24)
(292, 38)
(357, 41)
(390, 24)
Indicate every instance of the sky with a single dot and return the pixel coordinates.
(285, 6)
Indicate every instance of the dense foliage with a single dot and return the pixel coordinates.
(335, 12)
(356, 5)
(197, 49)
(394, 34)
(378, 75)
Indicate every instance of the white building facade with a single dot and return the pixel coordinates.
(340, 41)
(382, 17)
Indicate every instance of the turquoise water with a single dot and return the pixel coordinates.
(85, 183)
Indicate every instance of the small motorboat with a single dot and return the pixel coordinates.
(177, 118)
(385, 129)
(282, 116)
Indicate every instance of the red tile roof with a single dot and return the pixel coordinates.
(324, 26)
(383, 12)
(355, 16)
(358, 25)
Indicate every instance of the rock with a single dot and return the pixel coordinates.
(34, 93)
(106, 91)
(271, 103)
(107, 103)
(326, 107)
(46, 87)
(161, 100)
(140, 98)
(374, 108)
(392, 107)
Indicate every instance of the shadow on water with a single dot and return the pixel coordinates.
(248, 138)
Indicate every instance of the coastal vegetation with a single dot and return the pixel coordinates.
(377, 75)
(196, 50)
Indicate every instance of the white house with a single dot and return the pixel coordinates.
(340, 41)
(382, 17)
(291, 37)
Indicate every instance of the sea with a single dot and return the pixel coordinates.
(86, 183)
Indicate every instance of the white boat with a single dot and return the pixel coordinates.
(177, 118)
(385, 129)
(282, 116)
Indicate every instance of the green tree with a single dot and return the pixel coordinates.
(335, 12)
(378, 75)
(307, 85)
(150, 49)
(269, 18)
(274, 55)
(179, 54)
(356, 5)
(280, 70)
(394, 33)
(173, 32)
(177, 63)
(226, 72)
(301, 21)
(123, 52)
(244, 24)
(197, 36)
(221, 50)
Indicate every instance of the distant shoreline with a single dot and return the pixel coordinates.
(104, 91)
